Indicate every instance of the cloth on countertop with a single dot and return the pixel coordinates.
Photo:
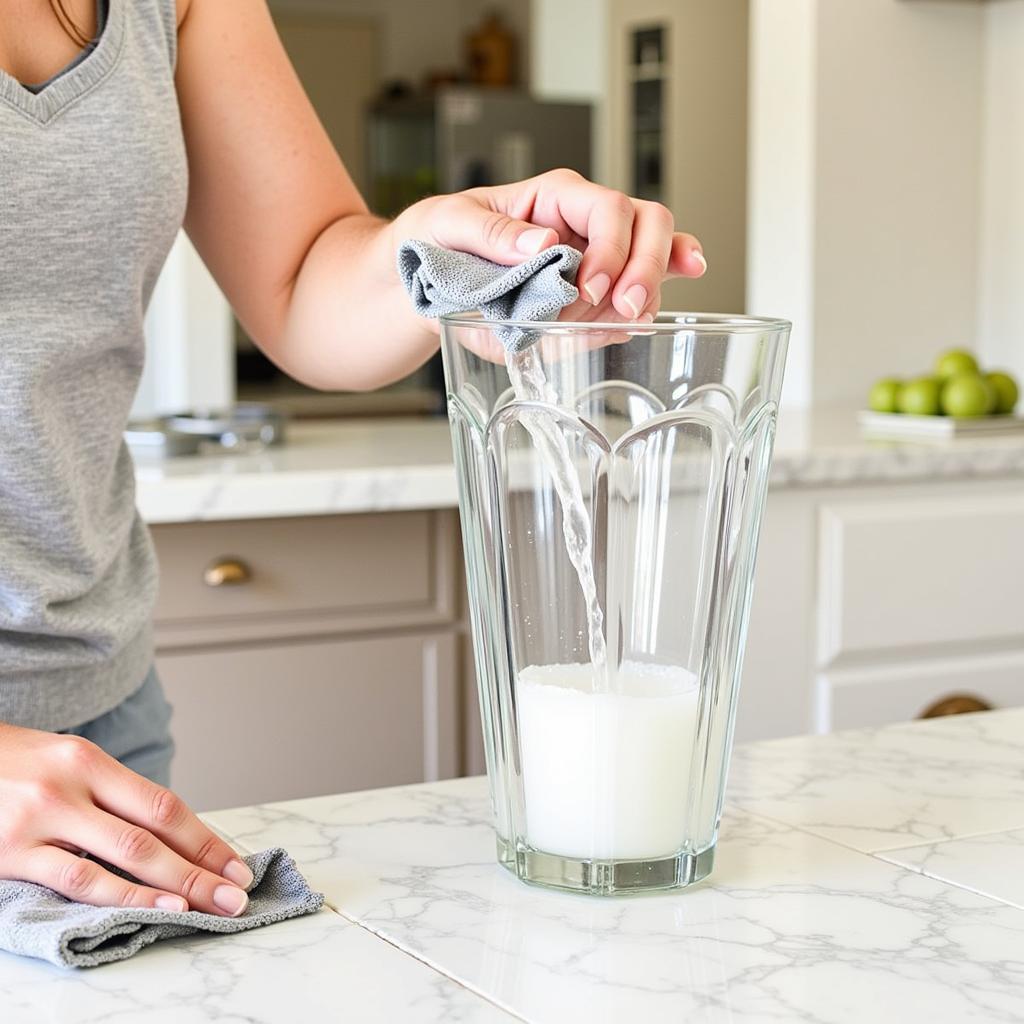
(38, 922)
(442, 281)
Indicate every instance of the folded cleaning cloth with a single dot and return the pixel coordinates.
(35, 921)
(442, 282)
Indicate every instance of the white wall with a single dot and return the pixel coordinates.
(1001, 269)
(898, 188)
(781, 177)
(893, 193)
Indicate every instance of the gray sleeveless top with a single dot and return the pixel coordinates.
(93, 185)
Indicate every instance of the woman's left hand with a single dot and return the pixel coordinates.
(629, 246)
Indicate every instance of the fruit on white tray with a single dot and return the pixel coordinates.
(958, 388)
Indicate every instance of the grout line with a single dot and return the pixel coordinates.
(879, 855)
(801, 828)
(432, 967)
(880, 849)
(947, 881)
(876, 855)
(435, 968)
(949, 839)
(419, 958)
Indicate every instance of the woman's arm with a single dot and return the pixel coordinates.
(310, 273)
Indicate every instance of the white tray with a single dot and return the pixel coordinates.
(899, 425)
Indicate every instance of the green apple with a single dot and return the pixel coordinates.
(968, 395)
(1007, 391)
(954, 362)
(920, 397)
(884, 396)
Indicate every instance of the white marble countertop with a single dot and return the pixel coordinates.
(864, 876)
(375, 465)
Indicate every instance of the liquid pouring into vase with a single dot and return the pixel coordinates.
(611, 487)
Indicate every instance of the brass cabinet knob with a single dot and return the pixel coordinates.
(955, 704)
(226, 572)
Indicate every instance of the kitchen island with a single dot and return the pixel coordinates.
(872, 875)
(886, 586)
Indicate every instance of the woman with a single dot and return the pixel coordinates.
(119, 121)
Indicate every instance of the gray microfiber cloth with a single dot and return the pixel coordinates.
(443, 281)
(36, 921)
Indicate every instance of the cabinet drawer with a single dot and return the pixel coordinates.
(301, 719)
(861, 698)
(920, 571)
(303, 576)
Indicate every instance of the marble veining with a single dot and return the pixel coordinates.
(991, 864)
(790, 927)
(389, 464)
(824, 918)
(319, 968)
(899, 786)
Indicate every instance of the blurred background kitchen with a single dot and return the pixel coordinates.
(854, 165)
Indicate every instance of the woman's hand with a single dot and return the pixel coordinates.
(62, 795)
(629, 246)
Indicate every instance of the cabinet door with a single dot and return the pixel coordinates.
(289, 720)
(877, 695)
(920, 571)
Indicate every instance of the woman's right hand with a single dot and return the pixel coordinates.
(61, 796)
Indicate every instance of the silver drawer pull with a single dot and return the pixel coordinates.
(226, 572)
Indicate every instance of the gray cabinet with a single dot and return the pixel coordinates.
(272, 722)
(311, 655)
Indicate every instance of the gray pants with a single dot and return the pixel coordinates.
(137, 732)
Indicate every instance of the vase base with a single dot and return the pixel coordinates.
(605, 877)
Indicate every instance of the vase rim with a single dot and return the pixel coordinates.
(666, 322)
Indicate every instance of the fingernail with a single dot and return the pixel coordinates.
(597, 288)
(646, 318)
(237, 871)
(230, 899)
(171, 903)
(636, 298)
(532, 241)
(699, 257)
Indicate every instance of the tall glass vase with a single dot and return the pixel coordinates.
(611, 484)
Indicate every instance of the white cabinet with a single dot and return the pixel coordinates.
(917, 571)
(776, 695)
(874, 602)
(874, 695)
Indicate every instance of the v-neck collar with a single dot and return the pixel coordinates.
(67, 87)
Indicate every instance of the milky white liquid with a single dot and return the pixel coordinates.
(606, 775)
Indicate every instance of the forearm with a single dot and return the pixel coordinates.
(346, 323)
(311, 275)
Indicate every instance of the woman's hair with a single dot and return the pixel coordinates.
(68, 23)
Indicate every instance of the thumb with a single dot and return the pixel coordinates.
(459, 222)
